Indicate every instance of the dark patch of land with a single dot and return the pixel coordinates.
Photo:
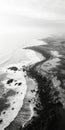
(3, 104)
(9, 93)
(13, 68)
(52, 116)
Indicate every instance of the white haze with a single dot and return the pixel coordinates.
(22, 21)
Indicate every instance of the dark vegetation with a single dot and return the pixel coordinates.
(51, 116)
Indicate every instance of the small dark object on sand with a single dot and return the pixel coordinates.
(13, 68)
(1, 120)
(19, 84)
(9, 81)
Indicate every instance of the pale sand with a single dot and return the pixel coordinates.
(51, 63)
(56, 54)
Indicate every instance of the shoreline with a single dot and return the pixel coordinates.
(17, 98)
